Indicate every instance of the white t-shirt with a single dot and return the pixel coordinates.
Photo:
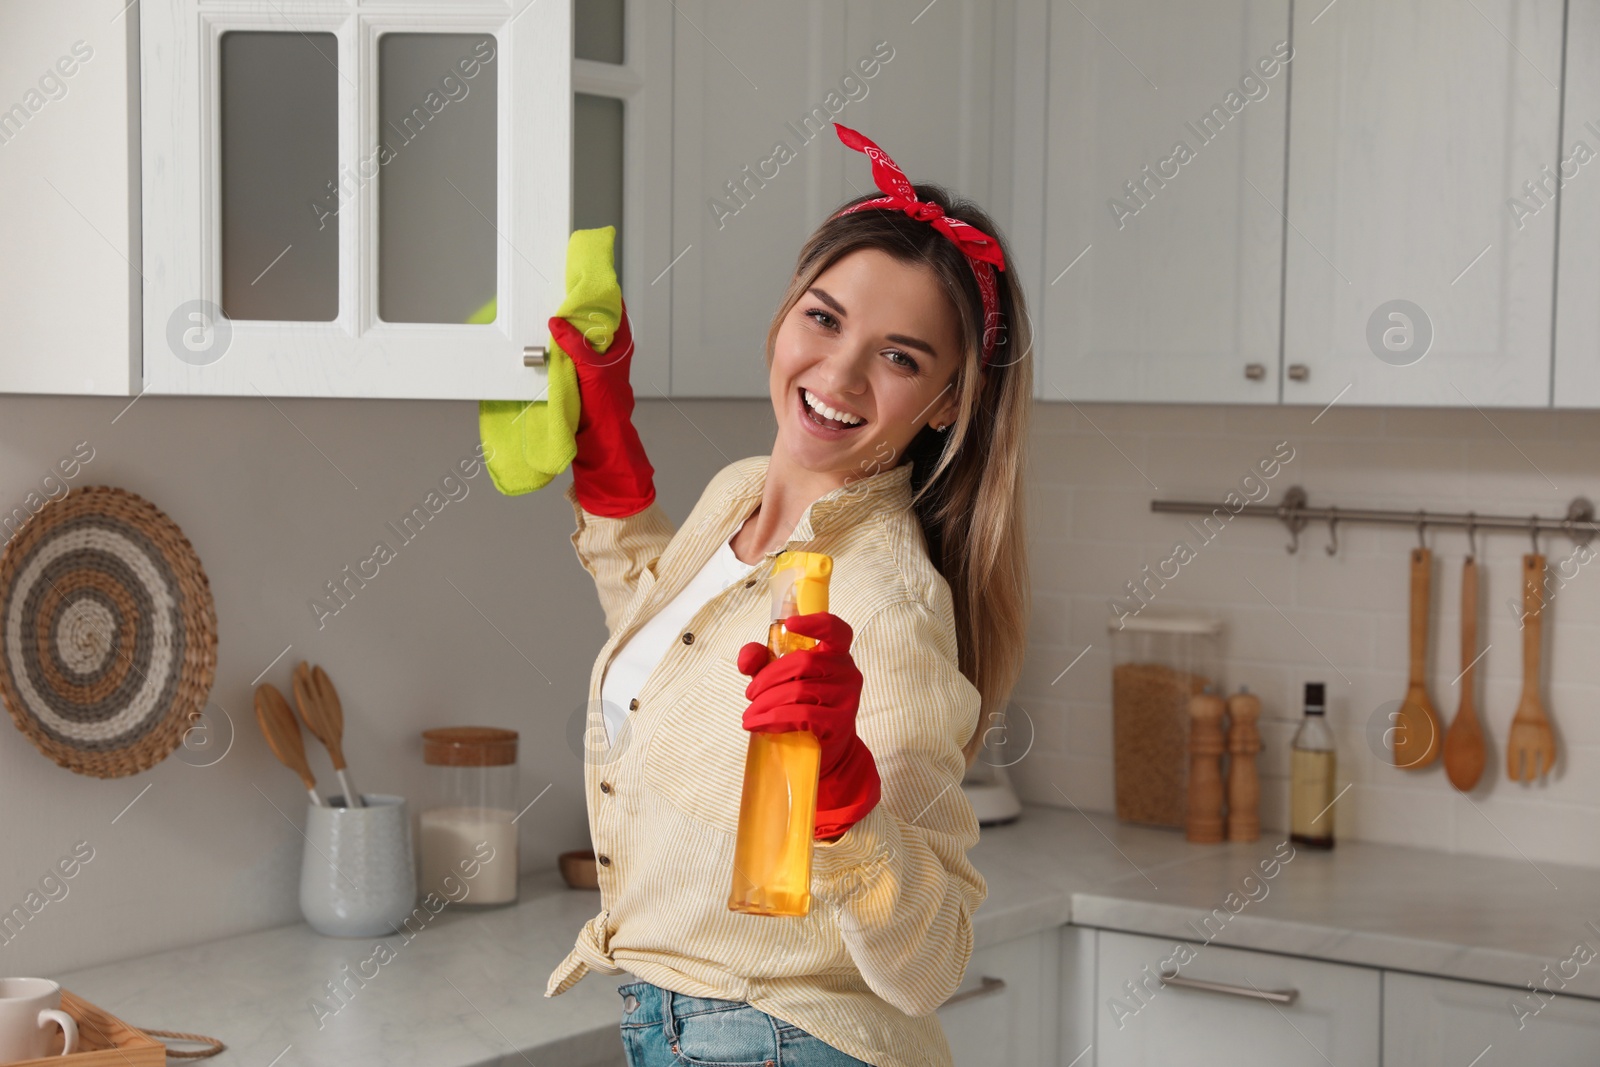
(630, 668)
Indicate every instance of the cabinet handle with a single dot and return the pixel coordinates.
(534, 355)
(1299, 372)
(1276, 996)
(988, 987)
(1255, 371)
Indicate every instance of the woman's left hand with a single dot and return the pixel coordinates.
(817, 689)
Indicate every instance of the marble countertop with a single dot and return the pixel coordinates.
(469, 989)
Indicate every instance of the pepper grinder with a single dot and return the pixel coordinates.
(1244, 783)
(1206, 746)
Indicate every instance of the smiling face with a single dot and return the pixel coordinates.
(876, 341)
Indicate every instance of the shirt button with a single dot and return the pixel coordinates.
(605, 787)
(605, 861)
(748, 584)
(633, 705)
(688, 638)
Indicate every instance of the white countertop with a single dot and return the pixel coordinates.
(469, 989)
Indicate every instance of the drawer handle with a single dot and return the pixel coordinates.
(988, 987)
(1276, 996)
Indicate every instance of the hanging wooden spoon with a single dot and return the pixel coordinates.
(323, 727)
(1463, 745)
(283, 736)
(1417, 729)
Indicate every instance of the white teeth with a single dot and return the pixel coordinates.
(838, 416)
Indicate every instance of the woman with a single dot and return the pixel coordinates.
(899, 378)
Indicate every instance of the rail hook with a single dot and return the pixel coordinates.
(1533, 532)
(1333, 532)
(1422, 522)
(1472, 535)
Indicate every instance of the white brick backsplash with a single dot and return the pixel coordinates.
(1094, 530)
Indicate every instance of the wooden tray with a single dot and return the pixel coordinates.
(103, 1041)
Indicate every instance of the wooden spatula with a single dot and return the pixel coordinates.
(1463, 746)
(1530, 746)
(1417, 729)
(283, 736)
(326, 724)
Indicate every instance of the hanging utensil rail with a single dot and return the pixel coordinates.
(1295, 514)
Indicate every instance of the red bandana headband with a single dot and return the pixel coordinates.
(981, 250)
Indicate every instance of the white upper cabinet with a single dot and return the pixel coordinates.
(1577, 360)
(1420, 262)
(1162, 265)
(756, 165)
(334, 191)
(69, 200)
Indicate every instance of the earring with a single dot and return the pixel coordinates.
(942, 429)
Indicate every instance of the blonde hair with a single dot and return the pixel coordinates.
(967, 481)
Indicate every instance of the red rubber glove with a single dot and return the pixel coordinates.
(817, 689)
(611, 474)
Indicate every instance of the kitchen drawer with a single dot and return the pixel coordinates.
(1005, 1010)
(1332, 1019)
(1429, 1021)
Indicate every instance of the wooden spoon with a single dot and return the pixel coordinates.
(1530, 746)
(1417, 728)
(283, 736)
(1463, 745)
(326, 725)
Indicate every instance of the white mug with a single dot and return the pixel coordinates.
(27, 1008)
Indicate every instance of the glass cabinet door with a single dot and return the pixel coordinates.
(354, 199)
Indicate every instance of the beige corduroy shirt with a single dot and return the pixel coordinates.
(889, 932)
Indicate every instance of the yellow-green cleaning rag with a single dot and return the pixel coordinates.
(529, 442)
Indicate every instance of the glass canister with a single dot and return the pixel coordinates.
(1158, 663)
(468, 837)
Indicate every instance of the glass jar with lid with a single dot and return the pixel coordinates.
(1158, 662)
(468, 834)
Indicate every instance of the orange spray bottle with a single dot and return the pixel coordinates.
(778, 811)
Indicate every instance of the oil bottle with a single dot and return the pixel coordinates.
(1311, 773)
(778, 810)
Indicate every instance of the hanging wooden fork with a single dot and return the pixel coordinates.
(1530, 745)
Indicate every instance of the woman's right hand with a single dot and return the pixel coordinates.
(611, 474)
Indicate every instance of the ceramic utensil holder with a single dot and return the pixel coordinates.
(357, 875)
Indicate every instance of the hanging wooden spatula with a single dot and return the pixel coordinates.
(1463, 746)
(1530, 746)
(283, 736)
(1417, 729)
(326, 726)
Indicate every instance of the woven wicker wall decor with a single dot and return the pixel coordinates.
(110, 632)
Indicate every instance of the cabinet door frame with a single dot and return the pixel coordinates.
(1423, 1013)
(1128, 989)
(69, 271)
(1364, 257)
(1113, 332)
(1577, 341)
(356, 354)
(643, 82)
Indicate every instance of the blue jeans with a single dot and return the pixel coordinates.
(661, 1028)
